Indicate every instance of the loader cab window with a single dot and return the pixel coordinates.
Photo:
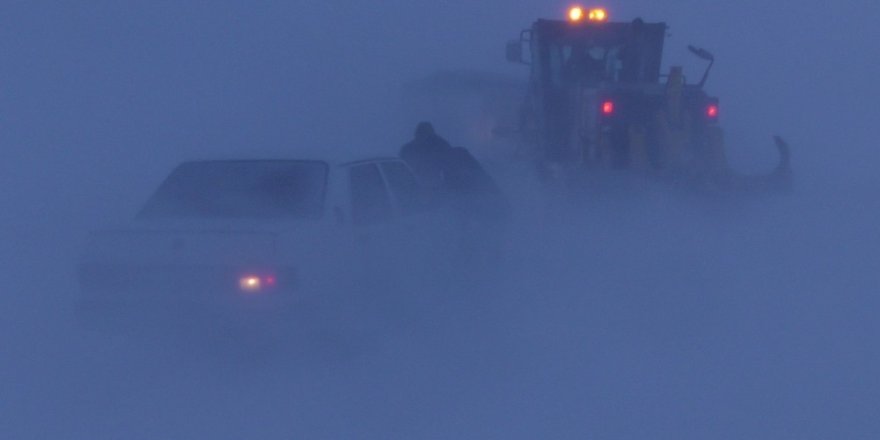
(556, 65)
(587, 64)
(370, 203)
(617, 52)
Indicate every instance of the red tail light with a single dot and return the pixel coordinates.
(712, 111)
(607, 108)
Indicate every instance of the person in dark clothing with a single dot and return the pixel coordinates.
(457, 181)
(425, 154)
(483, 210)
(466, 180)
(453, 174)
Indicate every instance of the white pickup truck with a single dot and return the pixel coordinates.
(265, 234)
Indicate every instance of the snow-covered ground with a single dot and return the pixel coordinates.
(657, 318)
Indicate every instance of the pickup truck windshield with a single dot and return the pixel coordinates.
(241, 189)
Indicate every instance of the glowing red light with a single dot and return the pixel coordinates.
(270, 280)
(607, 107)
(712, 111)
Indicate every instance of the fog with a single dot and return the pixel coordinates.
(657, 316)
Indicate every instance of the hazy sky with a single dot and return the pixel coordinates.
(100, 89)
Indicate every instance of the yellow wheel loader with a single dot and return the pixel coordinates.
(598, 101)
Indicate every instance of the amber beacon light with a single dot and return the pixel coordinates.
(577, 14)
(597, 14)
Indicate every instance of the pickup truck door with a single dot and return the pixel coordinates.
(372, 217)
(425, 234)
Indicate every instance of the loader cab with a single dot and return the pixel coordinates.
(597, 100)
(567, 53)
(575, 66)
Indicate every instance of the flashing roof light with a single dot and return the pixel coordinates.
(597, 14)
(576, 13)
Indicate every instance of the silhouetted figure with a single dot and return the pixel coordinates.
(458, 182)
(425, 154)
(482, 209)
(477, 193)
(453, 174)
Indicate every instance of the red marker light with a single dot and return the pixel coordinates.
(607, 108)
(270, 280)
(712, 111)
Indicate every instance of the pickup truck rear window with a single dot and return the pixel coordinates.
(241, 189)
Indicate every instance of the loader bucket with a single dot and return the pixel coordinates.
(779, 179)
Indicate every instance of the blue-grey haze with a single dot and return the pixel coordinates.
(663, 318)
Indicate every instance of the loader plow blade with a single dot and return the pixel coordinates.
(777, 180)
(784, 155)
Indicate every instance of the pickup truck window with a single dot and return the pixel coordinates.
(369, 198)
(241, 189)
(404, 187)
